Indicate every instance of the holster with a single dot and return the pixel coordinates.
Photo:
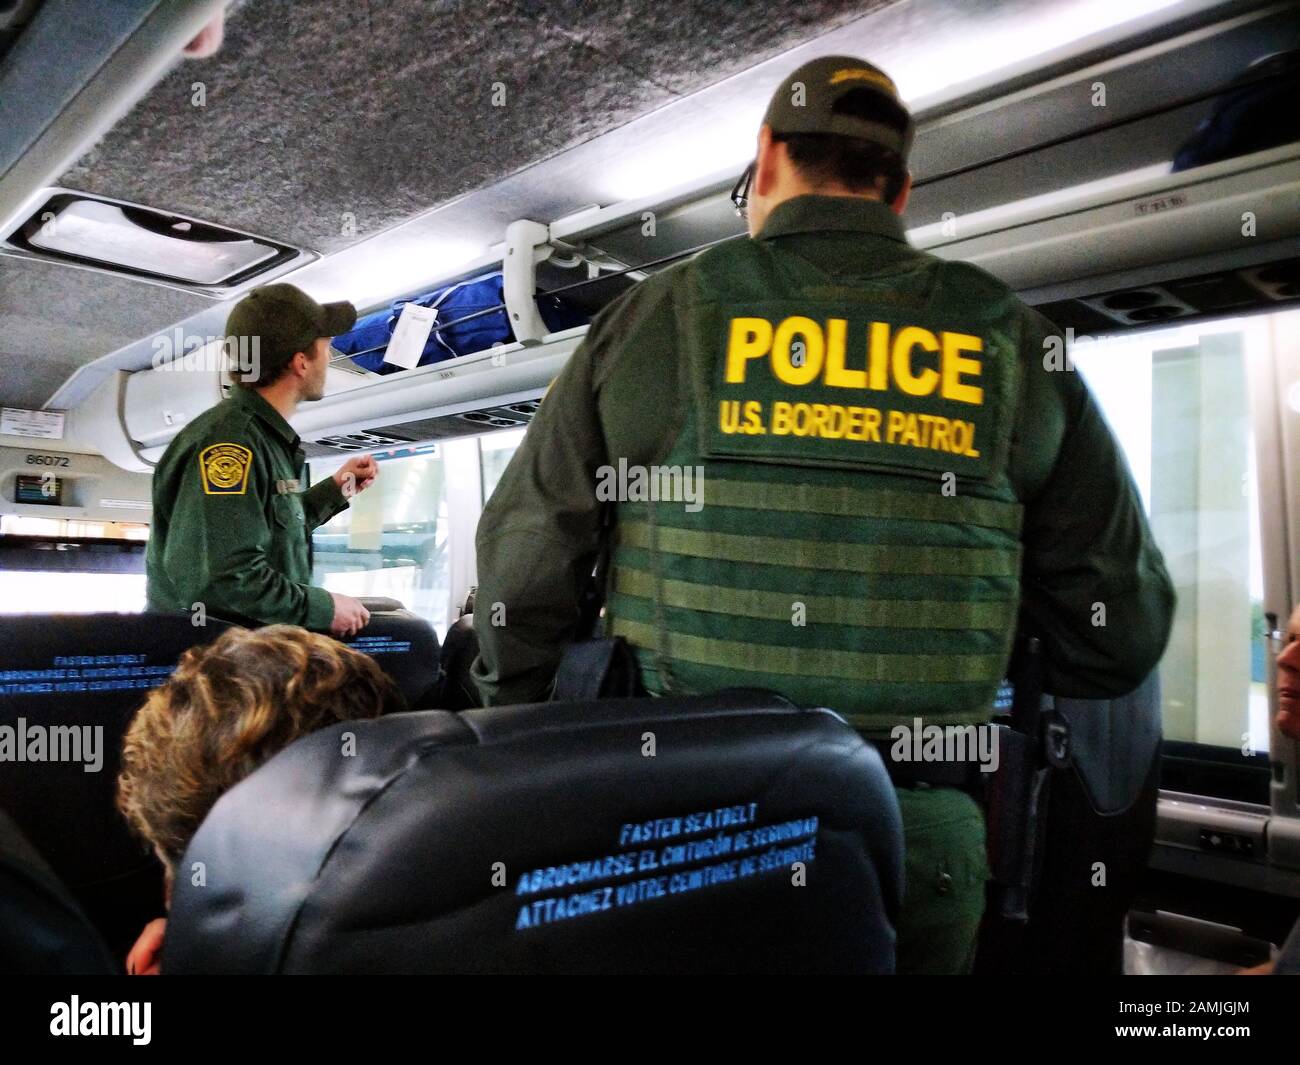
(1035, 743)
(597, 666)
(604, 668)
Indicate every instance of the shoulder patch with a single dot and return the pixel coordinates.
(224, 468)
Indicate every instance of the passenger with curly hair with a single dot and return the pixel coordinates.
(226, 710)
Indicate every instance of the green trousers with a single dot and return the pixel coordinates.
(945, 868)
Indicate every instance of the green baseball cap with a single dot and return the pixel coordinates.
(286, 320)
(812, 98)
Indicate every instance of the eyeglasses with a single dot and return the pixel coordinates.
(740, 192)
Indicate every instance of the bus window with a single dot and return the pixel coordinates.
(63, 566)
(1178, 400)
(496, 451)
(394, 539)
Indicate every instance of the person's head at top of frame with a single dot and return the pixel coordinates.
(834, 127)
(1288, 680)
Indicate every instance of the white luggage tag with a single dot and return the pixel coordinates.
(409, 337)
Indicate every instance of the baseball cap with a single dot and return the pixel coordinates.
(287, 320)
(811, 100)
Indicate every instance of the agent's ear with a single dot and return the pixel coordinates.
(900, 201)
(765, 163)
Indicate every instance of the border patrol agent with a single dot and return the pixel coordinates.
(893, 467)
(232, 514)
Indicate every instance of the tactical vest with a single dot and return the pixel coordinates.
(856, 541)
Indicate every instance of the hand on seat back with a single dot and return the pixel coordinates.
(350, 615)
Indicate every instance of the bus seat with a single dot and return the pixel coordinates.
(721, 834)
(403, 643)
(406, 648)
(42, 929)
(459, 650)
(1101, 822)
(86, 671)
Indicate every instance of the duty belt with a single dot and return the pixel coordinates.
(964, 776)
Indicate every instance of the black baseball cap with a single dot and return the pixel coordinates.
(806, 102)
(286, 320)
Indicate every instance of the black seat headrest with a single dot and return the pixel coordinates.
(62, 677)
(719, 834)
(459, 649)
(406, 648)
(403, 644)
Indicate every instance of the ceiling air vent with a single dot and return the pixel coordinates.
(1141, 306)
(489, 420)
(127, 238)
(1279, 281)
(361, 441)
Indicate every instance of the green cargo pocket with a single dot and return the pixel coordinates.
(288, 553)
(288, 511)
(945, 869)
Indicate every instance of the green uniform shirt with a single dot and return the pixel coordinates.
(232, 521)
(623, 397)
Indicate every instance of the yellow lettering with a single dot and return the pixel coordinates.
(939, 441)
(814, 351)
(926, 421)
(955, 365)
(872, 425)
(833, 425)
(729, 415)
(963, 439)
(853, 422)
(836, 375)
(750, 339)
(914, 384)
(879, 356)
(896, 421)
(821, 414)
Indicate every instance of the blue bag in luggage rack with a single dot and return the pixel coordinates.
(369, 338)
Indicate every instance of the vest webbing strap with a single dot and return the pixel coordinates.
(818, 662)
(820, 554)
(821, 609)
(856, 503)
